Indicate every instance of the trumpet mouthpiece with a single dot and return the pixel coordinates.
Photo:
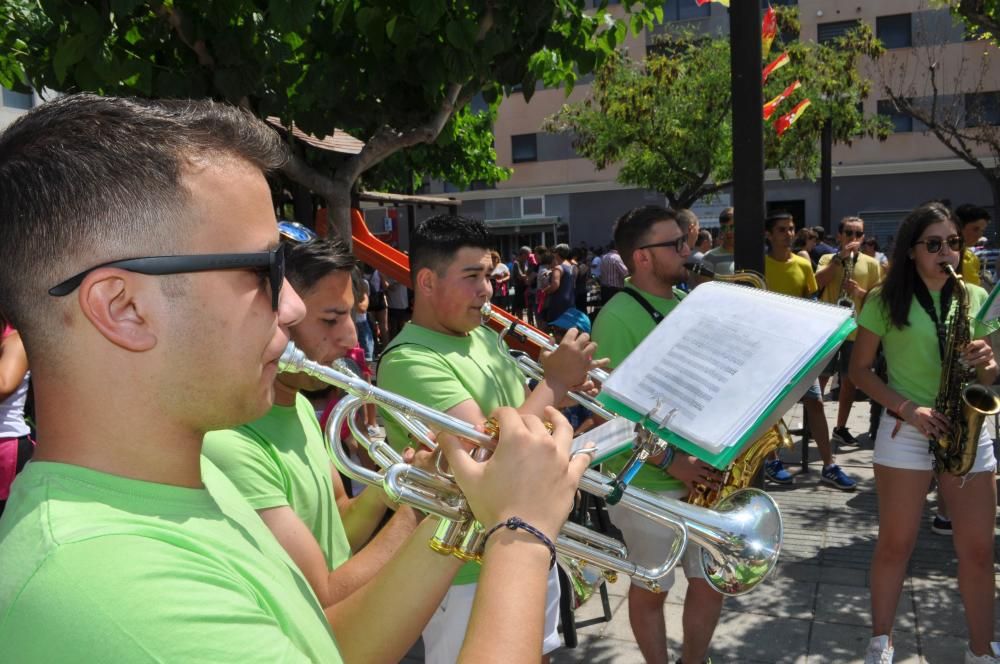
(699, 269)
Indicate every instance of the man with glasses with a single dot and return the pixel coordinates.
(720, 259)
(847, 275)
(654, 247)
(139, 257)
(789, 273)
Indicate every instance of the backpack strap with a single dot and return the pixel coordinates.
(653, 313)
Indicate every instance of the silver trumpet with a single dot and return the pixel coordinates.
(741, 538)
(533, 369)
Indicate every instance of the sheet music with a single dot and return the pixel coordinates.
(719, 359)
(610, 438)
(991, 308)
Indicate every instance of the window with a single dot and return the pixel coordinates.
(13, 99)
(524, 147)
(533, 206)
(901, 122)
(827, 32)
(982, 109)
(681, 10)
(895, 31)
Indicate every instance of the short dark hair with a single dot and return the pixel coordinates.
(86, 179)
(775, 217)
(849, 220)
(967, 213)
(435, 241)
(704, 234)
(632, 228)
(726, 216)
(686, 219)
(306, 263)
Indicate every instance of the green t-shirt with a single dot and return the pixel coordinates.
(441, 371)
(620, 326)
(911, 352)
(102, 568)
(282, 459)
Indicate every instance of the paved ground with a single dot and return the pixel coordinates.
(814, 608)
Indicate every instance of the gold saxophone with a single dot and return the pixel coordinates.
(964, 402)
(845, 299)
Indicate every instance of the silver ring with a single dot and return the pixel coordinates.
(591, 451)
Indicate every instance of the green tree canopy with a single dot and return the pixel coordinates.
(667, 121)
(394, 73)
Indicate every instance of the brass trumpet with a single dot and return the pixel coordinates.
(741, 537)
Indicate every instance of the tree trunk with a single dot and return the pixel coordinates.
(336, 191)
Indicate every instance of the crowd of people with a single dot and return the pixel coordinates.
(181, 505)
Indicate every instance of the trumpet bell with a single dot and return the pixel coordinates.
(743, 549)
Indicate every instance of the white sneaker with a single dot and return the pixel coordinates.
(992, 658)
(879, 651)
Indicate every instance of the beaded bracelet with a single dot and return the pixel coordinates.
(514, 523)
(668, 458)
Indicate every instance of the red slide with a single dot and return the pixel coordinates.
(395, 264)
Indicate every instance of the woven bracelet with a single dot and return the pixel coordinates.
(515, 523)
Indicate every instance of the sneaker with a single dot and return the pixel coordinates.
(879, 651)
(844, 437)
(992, 658)
(832, 474)
(941, 525)
(775, 471)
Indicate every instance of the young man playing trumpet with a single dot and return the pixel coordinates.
(445, 359)
(280, 462)
(654, 248)
(140, 255)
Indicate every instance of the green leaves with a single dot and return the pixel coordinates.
(291, 15)
(69, 51)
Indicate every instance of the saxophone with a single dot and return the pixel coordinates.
(742, 472)
(964, 402)
(844, 299)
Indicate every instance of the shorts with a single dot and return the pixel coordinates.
(841, 361)
(814, 393)
(444, 634)
(910, 449)
(649, 543)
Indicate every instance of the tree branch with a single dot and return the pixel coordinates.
(175, 17)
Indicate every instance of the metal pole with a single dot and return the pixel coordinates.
(748, 134)
(826, 176)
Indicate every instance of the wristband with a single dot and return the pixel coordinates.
(515, 523)
(901, 406)
(668, 458)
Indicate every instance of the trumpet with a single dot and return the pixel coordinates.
(532, 368)
(741, 538)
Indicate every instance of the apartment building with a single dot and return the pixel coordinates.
(13, 104)
(555, 195)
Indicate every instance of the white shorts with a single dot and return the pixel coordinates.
(910, 449)
(445, 632)
(650, 543)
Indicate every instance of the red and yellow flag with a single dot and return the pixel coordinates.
(724, 3)
(783, 123)
(771, 106)
(768, 31)
(780, 62)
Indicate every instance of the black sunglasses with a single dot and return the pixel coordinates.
(272, 262)
(935, 244)
(853, 234)
(677, 244)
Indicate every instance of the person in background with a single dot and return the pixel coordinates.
(972, 221)
(397, 297)
(805, 241)
(582, 268)
(579, 417)
(870, 247)
(378, 308)
(500, 280)
(702, 245)
(691, 225)
(560, 294)
(720, 259)
(612, 274)
(16, 442)
(366, 339)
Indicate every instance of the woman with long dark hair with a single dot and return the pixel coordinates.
(910, 315)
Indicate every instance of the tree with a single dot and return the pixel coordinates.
(667, 121)
(980, 15)
(959, 107)
(394, 73)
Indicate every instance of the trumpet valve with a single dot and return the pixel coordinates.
(447, 537)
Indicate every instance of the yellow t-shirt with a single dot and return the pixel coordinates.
(793, 277)
(970, 267)
(866, 272)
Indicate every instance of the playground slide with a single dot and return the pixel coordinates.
(396, 265)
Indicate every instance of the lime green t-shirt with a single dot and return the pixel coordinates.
(282, 459)
(620, 326)
(793, 277)
(441, 371)
(102, 568)
(911, 353)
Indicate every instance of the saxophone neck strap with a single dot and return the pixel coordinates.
(653, 313)
(927, 303)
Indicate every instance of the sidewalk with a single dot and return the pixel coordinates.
(815, 605)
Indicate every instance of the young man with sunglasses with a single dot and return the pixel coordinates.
(119, 542)
(832, 278)
(972, 221)
(654, 247)
(788, 273)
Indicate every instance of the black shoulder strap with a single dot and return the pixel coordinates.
(653, 313)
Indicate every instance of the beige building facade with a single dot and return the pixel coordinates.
(555, 195)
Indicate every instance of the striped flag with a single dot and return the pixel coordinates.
(785, 121)
(771, 106)
(768, 30)
(780, 62)
(724, 3)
